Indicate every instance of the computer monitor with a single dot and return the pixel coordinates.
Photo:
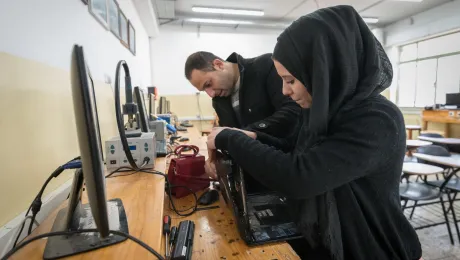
(99, 213)
(143, 118)
(152, 104)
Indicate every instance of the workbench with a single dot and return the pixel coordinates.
(145, 202)
(446, 117)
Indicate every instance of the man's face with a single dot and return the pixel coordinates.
(216, 83)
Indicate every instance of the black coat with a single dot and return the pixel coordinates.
(263, 106)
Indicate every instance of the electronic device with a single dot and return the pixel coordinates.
(140, 147)
(183, 244)
(262, 215)
(162, 108)
(453, 99)
(142, 115)
(99, 213)
(152, 111)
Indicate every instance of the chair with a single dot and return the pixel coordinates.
(451, 184)
(435, 150)
(435, 135)
(422, 192)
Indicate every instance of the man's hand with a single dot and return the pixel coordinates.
(253, 135)
(212, 137)
(210, 169)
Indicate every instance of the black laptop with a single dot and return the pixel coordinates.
(261, 214)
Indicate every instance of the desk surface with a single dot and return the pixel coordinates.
(417, 143)
(420, 168)
(452, 161)
(216, 235)
(452, 141)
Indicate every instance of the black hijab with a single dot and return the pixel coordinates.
(336, 56)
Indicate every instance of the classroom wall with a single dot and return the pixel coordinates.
(171, 48)
(438, 20)
(37, 124)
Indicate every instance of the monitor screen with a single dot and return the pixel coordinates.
(89, 139)
(143, 119)
(152, 104)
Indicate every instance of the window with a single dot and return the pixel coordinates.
(428, 70)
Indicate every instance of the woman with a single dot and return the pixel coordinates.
(342, 172)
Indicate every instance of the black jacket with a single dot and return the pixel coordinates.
(263, 107)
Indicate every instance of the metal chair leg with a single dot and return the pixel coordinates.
(405, 204)
(413, 209)
(451, 202)
(447, 220)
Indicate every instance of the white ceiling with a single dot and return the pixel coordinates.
(285, 11)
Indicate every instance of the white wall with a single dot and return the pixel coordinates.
(171, 48)
(46, 30)
(438, 20)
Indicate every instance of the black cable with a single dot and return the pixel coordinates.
(68, 233)
(37, 203)
(119, 115)
(169, 187)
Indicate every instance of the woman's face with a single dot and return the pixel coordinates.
(293, 87)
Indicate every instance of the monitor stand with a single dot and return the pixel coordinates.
(77, 216)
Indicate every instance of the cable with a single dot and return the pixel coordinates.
(199, 110)
(68, 233)
(118, 114)
(37, 200)
(127, 169)
(11, 239)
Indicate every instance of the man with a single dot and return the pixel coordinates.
(246, 93)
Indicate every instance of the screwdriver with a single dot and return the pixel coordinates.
(172, 237)
(166, 230)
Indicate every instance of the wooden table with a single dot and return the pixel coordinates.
(441, 116)
(437, 140)
(411, 128)
(145, 203)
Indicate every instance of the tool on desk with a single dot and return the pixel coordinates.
(184, 242)
(172, 238)
(166, 231)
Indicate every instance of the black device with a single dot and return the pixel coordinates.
(453, 99)
(98, 213)
(183, 243)
(184, 139)
(162, 108)
(262, 214)
(208, 197)
(142, 116)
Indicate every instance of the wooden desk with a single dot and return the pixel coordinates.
(145, 203)
(216, 234)
(441, 116)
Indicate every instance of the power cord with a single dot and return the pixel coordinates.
(37, 203)
(68, 233)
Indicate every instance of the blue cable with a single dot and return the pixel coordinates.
(72, 165)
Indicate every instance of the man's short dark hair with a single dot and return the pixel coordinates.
(201, 60)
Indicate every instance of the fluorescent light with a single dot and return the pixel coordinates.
(217, 21)
(417, 1)
(216, 10)
(371, 20)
